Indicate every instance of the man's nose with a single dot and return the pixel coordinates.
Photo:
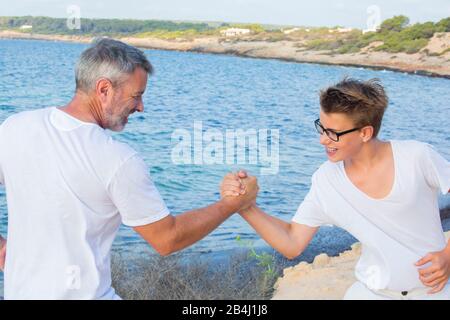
(140, 106)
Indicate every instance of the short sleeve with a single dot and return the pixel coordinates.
(310, 211)
(134, 194)
(436, 170)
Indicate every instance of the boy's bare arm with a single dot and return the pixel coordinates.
(290, 239)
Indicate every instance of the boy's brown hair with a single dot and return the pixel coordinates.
(363, 101)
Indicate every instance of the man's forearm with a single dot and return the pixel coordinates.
(2, 242)
(274, 231)
(191, 226)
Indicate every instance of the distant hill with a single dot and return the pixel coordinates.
(47, 25)
(394, 35)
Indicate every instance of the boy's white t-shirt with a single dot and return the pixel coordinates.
(69, 186)
(396, 231)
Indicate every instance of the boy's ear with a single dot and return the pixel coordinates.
(366, 133)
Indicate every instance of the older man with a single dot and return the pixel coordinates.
(69, 185)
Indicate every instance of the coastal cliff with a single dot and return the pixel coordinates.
(433, 60)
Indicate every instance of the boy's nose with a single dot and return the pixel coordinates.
(324, 140)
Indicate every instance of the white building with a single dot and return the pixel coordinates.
(25, 27)
(340, 30)
(371, 30)
(232, 32)
(288, 31)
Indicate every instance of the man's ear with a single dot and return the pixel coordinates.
(103, 87)
(366, 133)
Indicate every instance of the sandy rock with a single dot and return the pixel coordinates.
(438, 43)
(371, 46)
(321, 260)
(327, 278)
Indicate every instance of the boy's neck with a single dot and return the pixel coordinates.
(369, 156)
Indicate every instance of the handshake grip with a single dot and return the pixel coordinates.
(239, 190)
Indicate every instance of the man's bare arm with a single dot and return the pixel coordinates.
(2, 253)
(174, 233)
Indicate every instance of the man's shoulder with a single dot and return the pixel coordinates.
(22, 122)
(26, 115)
(121, 149)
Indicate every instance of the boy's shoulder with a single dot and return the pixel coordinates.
(409, 143)
(410, 148)
(326, 170)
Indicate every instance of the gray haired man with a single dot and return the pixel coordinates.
(69, 185)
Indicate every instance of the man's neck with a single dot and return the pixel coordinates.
(85, 108)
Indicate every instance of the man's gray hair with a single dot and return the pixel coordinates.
(111, 59)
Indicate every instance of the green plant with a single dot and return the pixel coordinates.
(396, 24)
(47, 25)
(443, 25)
(264, 259)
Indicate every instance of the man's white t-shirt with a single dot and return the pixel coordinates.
(69, 186)
(396, 231)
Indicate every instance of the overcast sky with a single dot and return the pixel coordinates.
(351, 13)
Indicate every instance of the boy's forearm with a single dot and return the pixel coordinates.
(256, 211)
(447, 248)
(274, 231)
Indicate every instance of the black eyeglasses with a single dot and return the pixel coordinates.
(333, 135)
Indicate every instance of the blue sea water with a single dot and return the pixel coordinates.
(225, 92)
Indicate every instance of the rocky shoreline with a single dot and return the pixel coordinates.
(426, 62)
